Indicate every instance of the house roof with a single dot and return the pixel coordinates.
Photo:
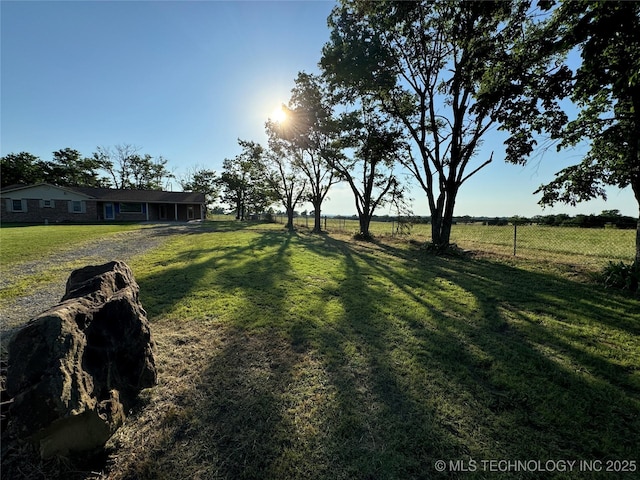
(151, 196)
(115, 195)
(20, 186)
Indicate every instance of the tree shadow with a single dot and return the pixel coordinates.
(524, 346)
(370, 361)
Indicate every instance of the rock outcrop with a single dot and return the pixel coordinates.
(75, 370)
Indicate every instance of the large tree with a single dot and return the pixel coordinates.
(69, 168)
(244, 181)
(448, 71)
(202, 180)
(128, 169)
(21, 168)
(283, 171)
(606, 88)
(310, 130)
(370, 147)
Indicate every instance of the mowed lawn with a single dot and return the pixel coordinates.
(588, 247)
(28, 243)
(299, 356)
(314, 356)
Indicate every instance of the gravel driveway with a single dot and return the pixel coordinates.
(119, 246)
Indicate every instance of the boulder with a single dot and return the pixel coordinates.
(76, 369)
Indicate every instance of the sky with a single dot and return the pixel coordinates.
(187, 79)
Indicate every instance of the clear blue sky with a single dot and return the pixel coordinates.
(186, 79)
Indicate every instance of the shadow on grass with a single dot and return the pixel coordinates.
(360, 361)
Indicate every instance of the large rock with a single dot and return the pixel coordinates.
(74, 370)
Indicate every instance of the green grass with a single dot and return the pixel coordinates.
(303, 356)
(589, 247)
(22, 244)
(299, 356)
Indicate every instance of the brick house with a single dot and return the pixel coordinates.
(44, 203)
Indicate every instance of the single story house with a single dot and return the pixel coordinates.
(44, 203)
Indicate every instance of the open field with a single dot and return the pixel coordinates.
(588, 247)
(299, 356)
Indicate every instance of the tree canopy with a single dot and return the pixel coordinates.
(606, 88)
(311, 132)
(119, 167)
(244, 181)
(448, 71)
(370, 147)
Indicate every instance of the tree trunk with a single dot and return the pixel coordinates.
(638, 242)
(238, 208)
(317, 224)
(436, 225)
(441, 231)
(635, 185)
(365, 223)
(442, 218)
(289, 219)
(317, 220)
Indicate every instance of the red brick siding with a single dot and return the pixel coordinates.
(58, 213)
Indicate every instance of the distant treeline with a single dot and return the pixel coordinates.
(608, 218)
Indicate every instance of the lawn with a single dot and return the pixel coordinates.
(588, 247)
(300, 356)
(22, 244)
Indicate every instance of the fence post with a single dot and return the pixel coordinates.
(515, 237)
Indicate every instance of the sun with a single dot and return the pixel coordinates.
(279, 115)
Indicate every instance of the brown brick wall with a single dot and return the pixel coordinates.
(56, 214)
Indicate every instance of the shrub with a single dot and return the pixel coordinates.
(622, 276)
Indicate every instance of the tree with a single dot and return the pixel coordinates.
(310, 129)
(202, 180)
(606, 87)
(148, 173)
(130, 170)
(21, 168)
(69, 169)
(375, 146)
(243, 181)
(117, 163)
(448, 71)
(283, 172)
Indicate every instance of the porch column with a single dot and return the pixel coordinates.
(176, 210)
(147, 205)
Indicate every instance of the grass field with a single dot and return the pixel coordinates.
(21, 244)
(300, 356)
(589, 247)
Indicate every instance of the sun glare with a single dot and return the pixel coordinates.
(278, 115)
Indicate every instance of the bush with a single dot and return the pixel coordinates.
(622, 276)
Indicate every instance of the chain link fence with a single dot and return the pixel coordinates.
(588, 247)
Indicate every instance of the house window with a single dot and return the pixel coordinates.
(47, 204)
(131, 208)
(76, 206)
(16, 206)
